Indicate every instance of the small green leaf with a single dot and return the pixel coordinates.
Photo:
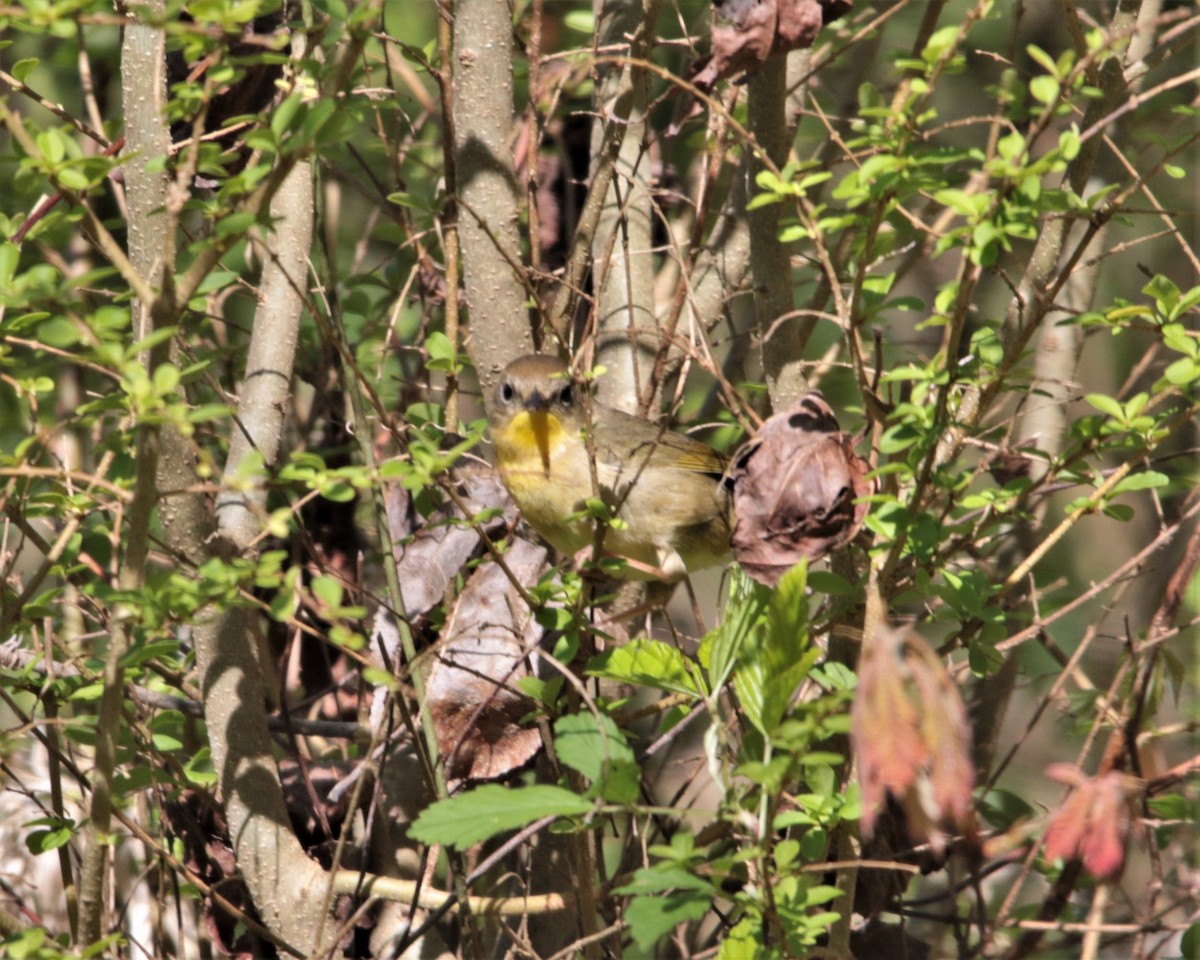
(1106, 404)
(1044, 89)
(486, 811)
(581, 21)
(73, 179)
(1145, 480)
(235, 223)
(1044, 59)
(23, 68)
(1003, 808)
(328, 590)
(10, 255)
(1189, 943)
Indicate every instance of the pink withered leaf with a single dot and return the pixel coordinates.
(797, 489)
(1092, 824)
(911, 738)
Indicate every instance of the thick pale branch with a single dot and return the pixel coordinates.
(267, 383)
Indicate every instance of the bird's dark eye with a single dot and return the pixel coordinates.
(506, 392)
(567, 395)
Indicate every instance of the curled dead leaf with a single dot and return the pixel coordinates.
(794, 490)
(745, 33)
(429, 559)
(472, 692)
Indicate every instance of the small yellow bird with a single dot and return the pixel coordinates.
(666, 488)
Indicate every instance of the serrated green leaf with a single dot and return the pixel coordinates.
(652, 918)
(593, 745)
(486, 811)
(649, 663)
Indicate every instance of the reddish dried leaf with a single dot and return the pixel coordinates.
(794, 490)
(911, 738)
(1092, 824)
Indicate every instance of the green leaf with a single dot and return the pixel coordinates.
(10, 255)
(649, 663)
(830, 583)
(1069, 143)
(486, 811)
(442, 355)
(1189, 943)
(1145, 480)
(23, 68)
(746, 605)
(57, 833)
(1106, 404)
(581, 21)
(235, 223)
(283, 115)
(777, 654)
(73, 179)
(1003, 808)
(593, 745)
(329, 590)
(200, 770)
(1044, 89)
(652, 918)
(52, 145)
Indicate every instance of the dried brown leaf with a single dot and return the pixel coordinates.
(473, 698)
(437, 552)
(794, 490)
(745, 33)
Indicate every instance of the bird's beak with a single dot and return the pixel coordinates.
(539, 424)
(535, 402)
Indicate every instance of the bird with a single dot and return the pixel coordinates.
(666, 492)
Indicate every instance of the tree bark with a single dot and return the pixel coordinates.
(488, 193)
(781, 340)
(622, 258)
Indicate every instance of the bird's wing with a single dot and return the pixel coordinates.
(650, 446)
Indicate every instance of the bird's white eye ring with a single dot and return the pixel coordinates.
(506, 392)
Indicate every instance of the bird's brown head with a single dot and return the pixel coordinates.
(536, 384)
(535, 405)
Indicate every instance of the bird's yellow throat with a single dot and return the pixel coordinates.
(528, 440)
